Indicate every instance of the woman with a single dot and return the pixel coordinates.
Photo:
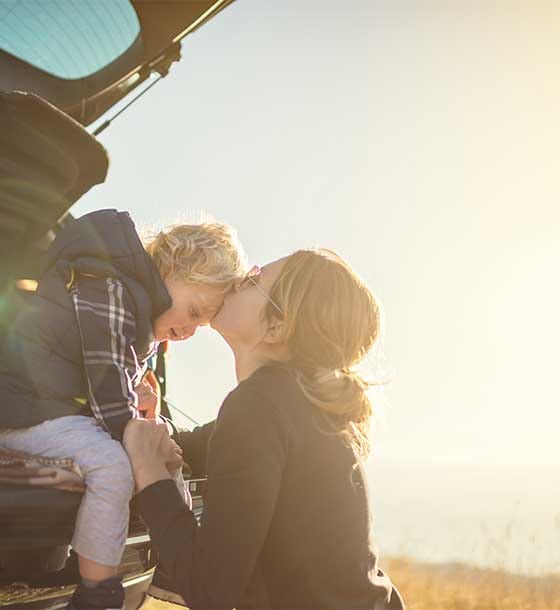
(287, 521)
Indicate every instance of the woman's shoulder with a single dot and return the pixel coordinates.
(253, 415)
(276, 383)
(271, 388)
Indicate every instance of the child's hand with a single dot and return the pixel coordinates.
(151, 378)
(148, 399)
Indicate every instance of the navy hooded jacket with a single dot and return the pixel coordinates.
(81, 342)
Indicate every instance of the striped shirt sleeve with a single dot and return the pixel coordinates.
(107, 327)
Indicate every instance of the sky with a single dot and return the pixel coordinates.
(417, 139)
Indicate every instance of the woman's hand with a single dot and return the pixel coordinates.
(152, 452)
(175, 456)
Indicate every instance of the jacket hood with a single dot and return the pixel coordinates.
(105, 243)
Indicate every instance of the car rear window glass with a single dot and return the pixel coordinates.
(69, 39)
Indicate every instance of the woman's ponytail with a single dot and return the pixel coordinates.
(330, 322)
(343, 394)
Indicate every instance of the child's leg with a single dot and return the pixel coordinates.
(93, 572)
(102, 521)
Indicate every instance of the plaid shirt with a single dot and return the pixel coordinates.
(112, 369)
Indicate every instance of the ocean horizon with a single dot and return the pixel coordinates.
(501, 517)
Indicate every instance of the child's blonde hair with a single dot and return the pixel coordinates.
(207, 253)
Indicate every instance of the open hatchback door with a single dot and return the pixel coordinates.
(85, 56)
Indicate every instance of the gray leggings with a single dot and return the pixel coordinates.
(102, 520)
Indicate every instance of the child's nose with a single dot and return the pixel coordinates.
(188, 331)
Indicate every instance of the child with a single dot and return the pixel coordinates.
(75, 358)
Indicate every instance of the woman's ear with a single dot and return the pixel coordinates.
(274, 333)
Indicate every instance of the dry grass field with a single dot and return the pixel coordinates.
(459, 587)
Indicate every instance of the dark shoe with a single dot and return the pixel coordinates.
(162, 588)
(107, 595)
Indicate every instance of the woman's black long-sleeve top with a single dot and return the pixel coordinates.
(194, 444)
(287, 519)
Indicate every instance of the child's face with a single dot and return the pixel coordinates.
(193, 305)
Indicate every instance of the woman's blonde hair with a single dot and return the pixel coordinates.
(330, 322)
(208, 253)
